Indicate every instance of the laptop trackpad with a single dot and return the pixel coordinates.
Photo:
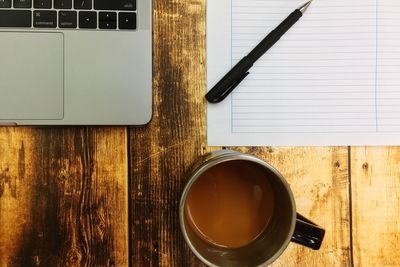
(31, 76)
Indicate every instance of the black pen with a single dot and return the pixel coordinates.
(237, 74)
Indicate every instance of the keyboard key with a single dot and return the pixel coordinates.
(22, 3)
(42, 4)
(45, 19)
(67, 19)
(107, 24)
(127, 21)
(115, 4)
(108, 16)
(63, 4)
(5, 3)
(15, 18)
(107, 20)
(83, 4)
(87, 20)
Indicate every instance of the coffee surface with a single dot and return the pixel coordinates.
(231, 203)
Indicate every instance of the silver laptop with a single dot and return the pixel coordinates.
(75, 62)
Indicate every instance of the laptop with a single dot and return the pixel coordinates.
(75, 62)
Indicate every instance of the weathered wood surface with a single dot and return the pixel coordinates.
(375, 179)
(64, 193)
(162, 152)
(63, 197)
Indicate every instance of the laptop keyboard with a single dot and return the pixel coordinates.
(69, 14)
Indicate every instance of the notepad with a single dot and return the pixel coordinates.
(332, 79)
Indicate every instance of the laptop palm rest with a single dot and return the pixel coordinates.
(31, 76)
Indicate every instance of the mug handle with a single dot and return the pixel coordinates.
(307, 233)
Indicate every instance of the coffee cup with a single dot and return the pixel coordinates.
(238, 210)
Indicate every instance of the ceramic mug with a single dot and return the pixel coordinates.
(285, 225)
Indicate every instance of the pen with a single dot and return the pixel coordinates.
(239, 72)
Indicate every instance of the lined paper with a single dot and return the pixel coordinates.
(333, 79)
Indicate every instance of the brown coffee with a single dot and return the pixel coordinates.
(231, 203)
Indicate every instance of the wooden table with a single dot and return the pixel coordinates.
(109, 196)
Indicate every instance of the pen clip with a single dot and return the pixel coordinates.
(229, 89)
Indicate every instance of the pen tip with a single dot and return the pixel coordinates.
(304, 7)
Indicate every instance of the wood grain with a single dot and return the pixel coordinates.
(63, 197)
(375, 179)
(162, 153)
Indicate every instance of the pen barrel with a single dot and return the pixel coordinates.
(275, 35)
(229, 80)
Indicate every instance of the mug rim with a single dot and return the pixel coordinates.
(221, 157)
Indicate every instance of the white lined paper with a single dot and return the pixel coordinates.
(332, 79)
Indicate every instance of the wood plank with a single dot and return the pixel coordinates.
(375, 183)
(63, 197)
(162, 152)
(319, 180)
